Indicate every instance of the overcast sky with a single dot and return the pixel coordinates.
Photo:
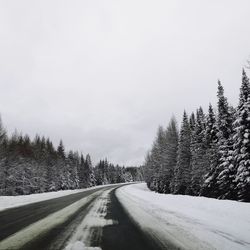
(102, 75)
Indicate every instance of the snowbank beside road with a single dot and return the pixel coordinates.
(188, 222)
(20, 200)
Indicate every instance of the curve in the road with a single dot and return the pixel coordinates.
(114, 230)
(14, 219)
(125, 234)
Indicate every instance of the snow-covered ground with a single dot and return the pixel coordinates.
(16, 201)
(188, 222)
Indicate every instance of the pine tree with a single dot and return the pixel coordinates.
(225, 170)
(156, 167)
(3, 134)
(211, 128)
(89, 172)
(169, 156)
(35, 166)
(242, 142)
(225, 120)
(192, 122)
(62, 167)
(211, 145)
(198, 159)
(218, 183)
(161, 160)
(148, 169)
(81, 172)
(3, 158)
(182, 173)
(50, 171)
(61, 150)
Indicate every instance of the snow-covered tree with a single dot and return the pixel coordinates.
(192, 121)
(211, 128)
(148, 169)
(225, 168)
(225, 119)
(182, 174)
(89, 172)
(3, 158)
(242, 142)
(61, 150)
(198, 157)
(3, 134)
(156, 161)
(169, 156)
(218, 182)
(81, 172)
(211, 147)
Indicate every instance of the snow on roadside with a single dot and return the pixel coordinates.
(188, 222)
(92, 225)
(20, 200)
(41, 227)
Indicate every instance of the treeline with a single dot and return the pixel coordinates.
(209, 156)
(106, 173)
(34, 166)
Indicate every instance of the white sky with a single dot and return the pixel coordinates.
(102, 75)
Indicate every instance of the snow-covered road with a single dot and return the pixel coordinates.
(44, 222)
(93, 219)
(20, 200)
(92, 225)
(188, 222)
(124, 217)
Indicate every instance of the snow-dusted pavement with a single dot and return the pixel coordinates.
(93, 219)
(46, 224)
(124, 217)
(188, 222)
(92, 225)
(20, 200)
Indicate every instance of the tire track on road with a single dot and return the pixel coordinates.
(14, 219)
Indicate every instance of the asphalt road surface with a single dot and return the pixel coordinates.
(93, 219)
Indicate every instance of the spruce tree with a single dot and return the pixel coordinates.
(211, 145)
(218, 183)
(192, 122)
(89, 172)
(182, 173)
(157, 151)
(198, 160)
(148, 169)
(81, 173)
(211, 128)
(225, 170)
(169, 156)
(242, 142)
(3, 158)
(61, 150)
(225, 120)
(3, 134)
(51, 173)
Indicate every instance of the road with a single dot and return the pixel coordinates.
(94, 219)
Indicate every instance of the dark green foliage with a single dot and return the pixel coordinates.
(242, 143)
(218, 182)
(161, 161)
(213, 157)
(183, 169)
(199, 164)
(106, 173)
(35, 166)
